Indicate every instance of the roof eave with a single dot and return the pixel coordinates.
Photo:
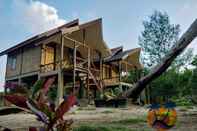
(40, 37)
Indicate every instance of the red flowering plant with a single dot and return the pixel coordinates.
(43, 107)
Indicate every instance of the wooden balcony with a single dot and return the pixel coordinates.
(81, 64)
(55, 66)
(115, 81)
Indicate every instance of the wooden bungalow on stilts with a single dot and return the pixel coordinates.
(76, 55)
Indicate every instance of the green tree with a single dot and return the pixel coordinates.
(172, 84)
(165, 85)
(194, 61)
(158, 37)
(193, 82)
(182, 83)
(166, 62)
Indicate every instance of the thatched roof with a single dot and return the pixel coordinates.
(90, 34)
(93, 36)
(131, 56)
(40, 37)
(116, 50)
(119, 54)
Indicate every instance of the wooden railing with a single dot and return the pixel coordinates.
(80, 62)
(54, 66)
(95, 75)
(111, 80)
(115, 80)
(48, 67)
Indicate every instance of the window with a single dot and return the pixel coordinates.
(12, 62)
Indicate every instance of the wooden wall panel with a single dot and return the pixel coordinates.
(115, 72)
(13, 72)
(31, 59)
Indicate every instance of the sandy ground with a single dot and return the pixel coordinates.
(187, 118)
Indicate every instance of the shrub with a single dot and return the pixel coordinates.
(39, 103)
(183, 101)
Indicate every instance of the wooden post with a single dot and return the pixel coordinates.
(44, 48)
(19, 80)
(39, 77)
(60, 86)
(21, 65)
(5, 93)
(101, 75)
(88, 88)
(101, 69)
(74, 66)
(60, 91)
(62, 52)
(126, 67)
(120, 70)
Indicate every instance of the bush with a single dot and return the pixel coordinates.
(183, 101)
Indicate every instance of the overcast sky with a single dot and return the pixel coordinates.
(122, 19)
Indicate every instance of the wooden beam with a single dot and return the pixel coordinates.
(120, 70)
(49, 73)
(60, 90)
(88, 88)
(101, 69)
(74, 66)
(76, 42)
(127, 63)
(21, 65)
(62, 52)
(84, 36)
(60, 75)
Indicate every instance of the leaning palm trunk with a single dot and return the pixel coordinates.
(181, 44)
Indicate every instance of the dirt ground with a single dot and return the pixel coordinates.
(187, 118)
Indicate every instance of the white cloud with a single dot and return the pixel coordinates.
(37, 16)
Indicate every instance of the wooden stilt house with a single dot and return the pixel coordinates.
(77, 55)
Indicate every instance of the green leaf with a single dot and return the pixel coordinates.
(37, 86)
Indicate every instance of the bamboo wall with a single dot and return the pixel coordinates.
(13, 72)
(110, 71)
(27, 60)
(31, 59)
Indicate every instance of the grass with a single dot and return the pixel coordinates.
(106, 128)
(120, 125)
(107, 111)
(89, 108)
(99, 128)
(130, 121)
(185, 108)
(190, 107)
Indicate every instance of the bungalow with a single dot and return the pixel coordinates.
(77, 55)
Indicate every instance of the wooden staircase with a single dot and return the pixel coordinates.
(96, 81)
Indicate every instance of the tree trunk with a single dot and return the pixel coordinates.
(181, 44)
